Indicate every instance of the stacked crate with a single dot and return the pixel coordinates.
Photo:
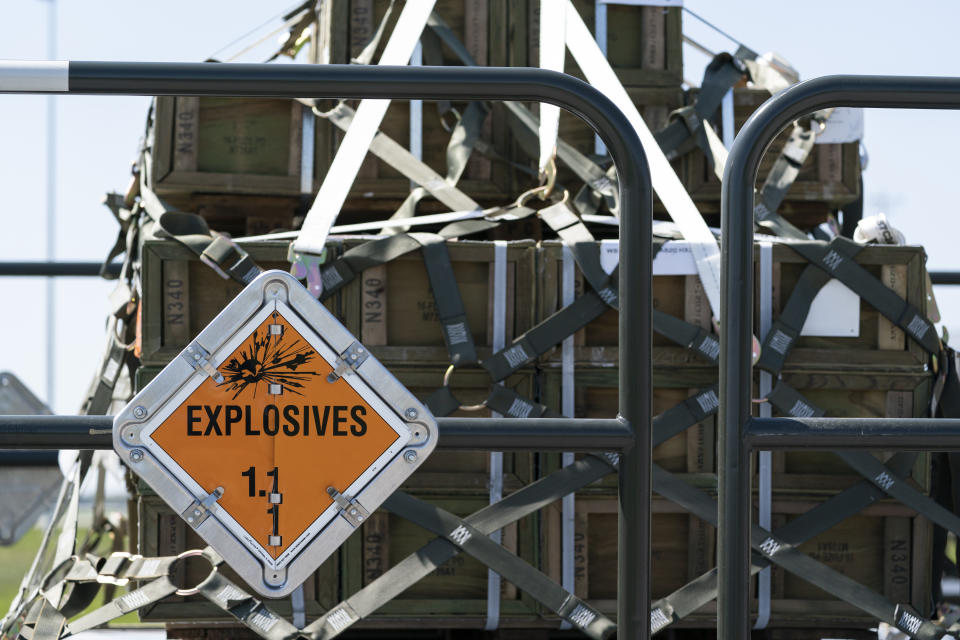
(828, 180)
(391, 309)
(240, 163)
(879, 373)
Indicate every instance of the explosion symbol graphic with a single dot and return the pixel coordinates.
(270, 359)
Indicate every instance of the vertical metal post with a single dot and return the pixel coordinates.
(51, 247)
(733, 540)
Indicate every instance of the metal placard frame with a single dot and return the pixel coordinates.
(133, 428)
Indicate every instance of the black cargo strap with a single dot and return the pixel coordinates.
(791, 402)
(420, 564)
(215, 250)
(125, 218)
(783, 174)
(777, 550)
(521, 503)
(807, 525)
(119, 569)
(686, 126)
(245, 608)
(340, 272)
(836, 263)
(586, 251)
(476, 543)
(681, 417)
(449, 304)
(836, 259)
(541, 338)
(786, 328)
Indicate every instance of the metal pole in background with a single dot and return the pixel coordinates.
(51, 327)
(737, 201)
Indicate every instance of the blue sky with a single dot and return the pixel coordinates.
(910, 176)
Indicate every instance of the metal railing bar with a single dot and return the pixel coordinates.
(877, 434)
(25, 269)
(737, 206)
(509, 434)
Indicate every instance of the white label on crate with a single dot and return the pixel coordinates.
(845, 124)
(835, 311)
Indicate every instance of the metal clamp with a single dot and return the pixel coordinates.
(349, 360)
(199, 359)
(352, 511)
(199, 510)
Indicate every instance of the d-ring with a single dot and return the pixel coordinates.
(463, 407)
(193, 553)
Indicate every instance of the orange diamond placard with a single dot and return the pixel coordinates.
(274, 435)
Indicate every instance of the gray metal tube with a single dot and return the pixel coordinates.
(733, 542)
(533, 434)
(56, 268)
(882, 434)
(474, 83)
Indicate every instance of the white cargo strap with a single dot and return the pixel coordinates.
(499, 341)
(568, 503)
(665, 182)
(353, 148)
(552, 53)
(764, 458)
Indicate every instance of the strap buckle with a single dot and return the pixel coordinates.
(223, 249)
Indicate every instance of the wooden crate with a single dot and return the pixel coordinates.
(654, 104)
(850, 393)
(226, 145)
(391, 307)
(596, 345)
(682, 548)
(161, 532)
(887, 547)
(644, 44)
(830, 174)
(455, 594)
(880, 344)
(691, 454)
(842, 393)
(242, 215)
(466, 472)
(485, 28)
(181, 295)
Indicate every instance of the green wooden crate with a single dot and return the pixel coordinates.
(644, 44)
(452, 596)
(391, 307)
(880, 345)
(830, 175)
(226, 145)
(886, 547)
(841, 392)
(181, 295)
(488, 30)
